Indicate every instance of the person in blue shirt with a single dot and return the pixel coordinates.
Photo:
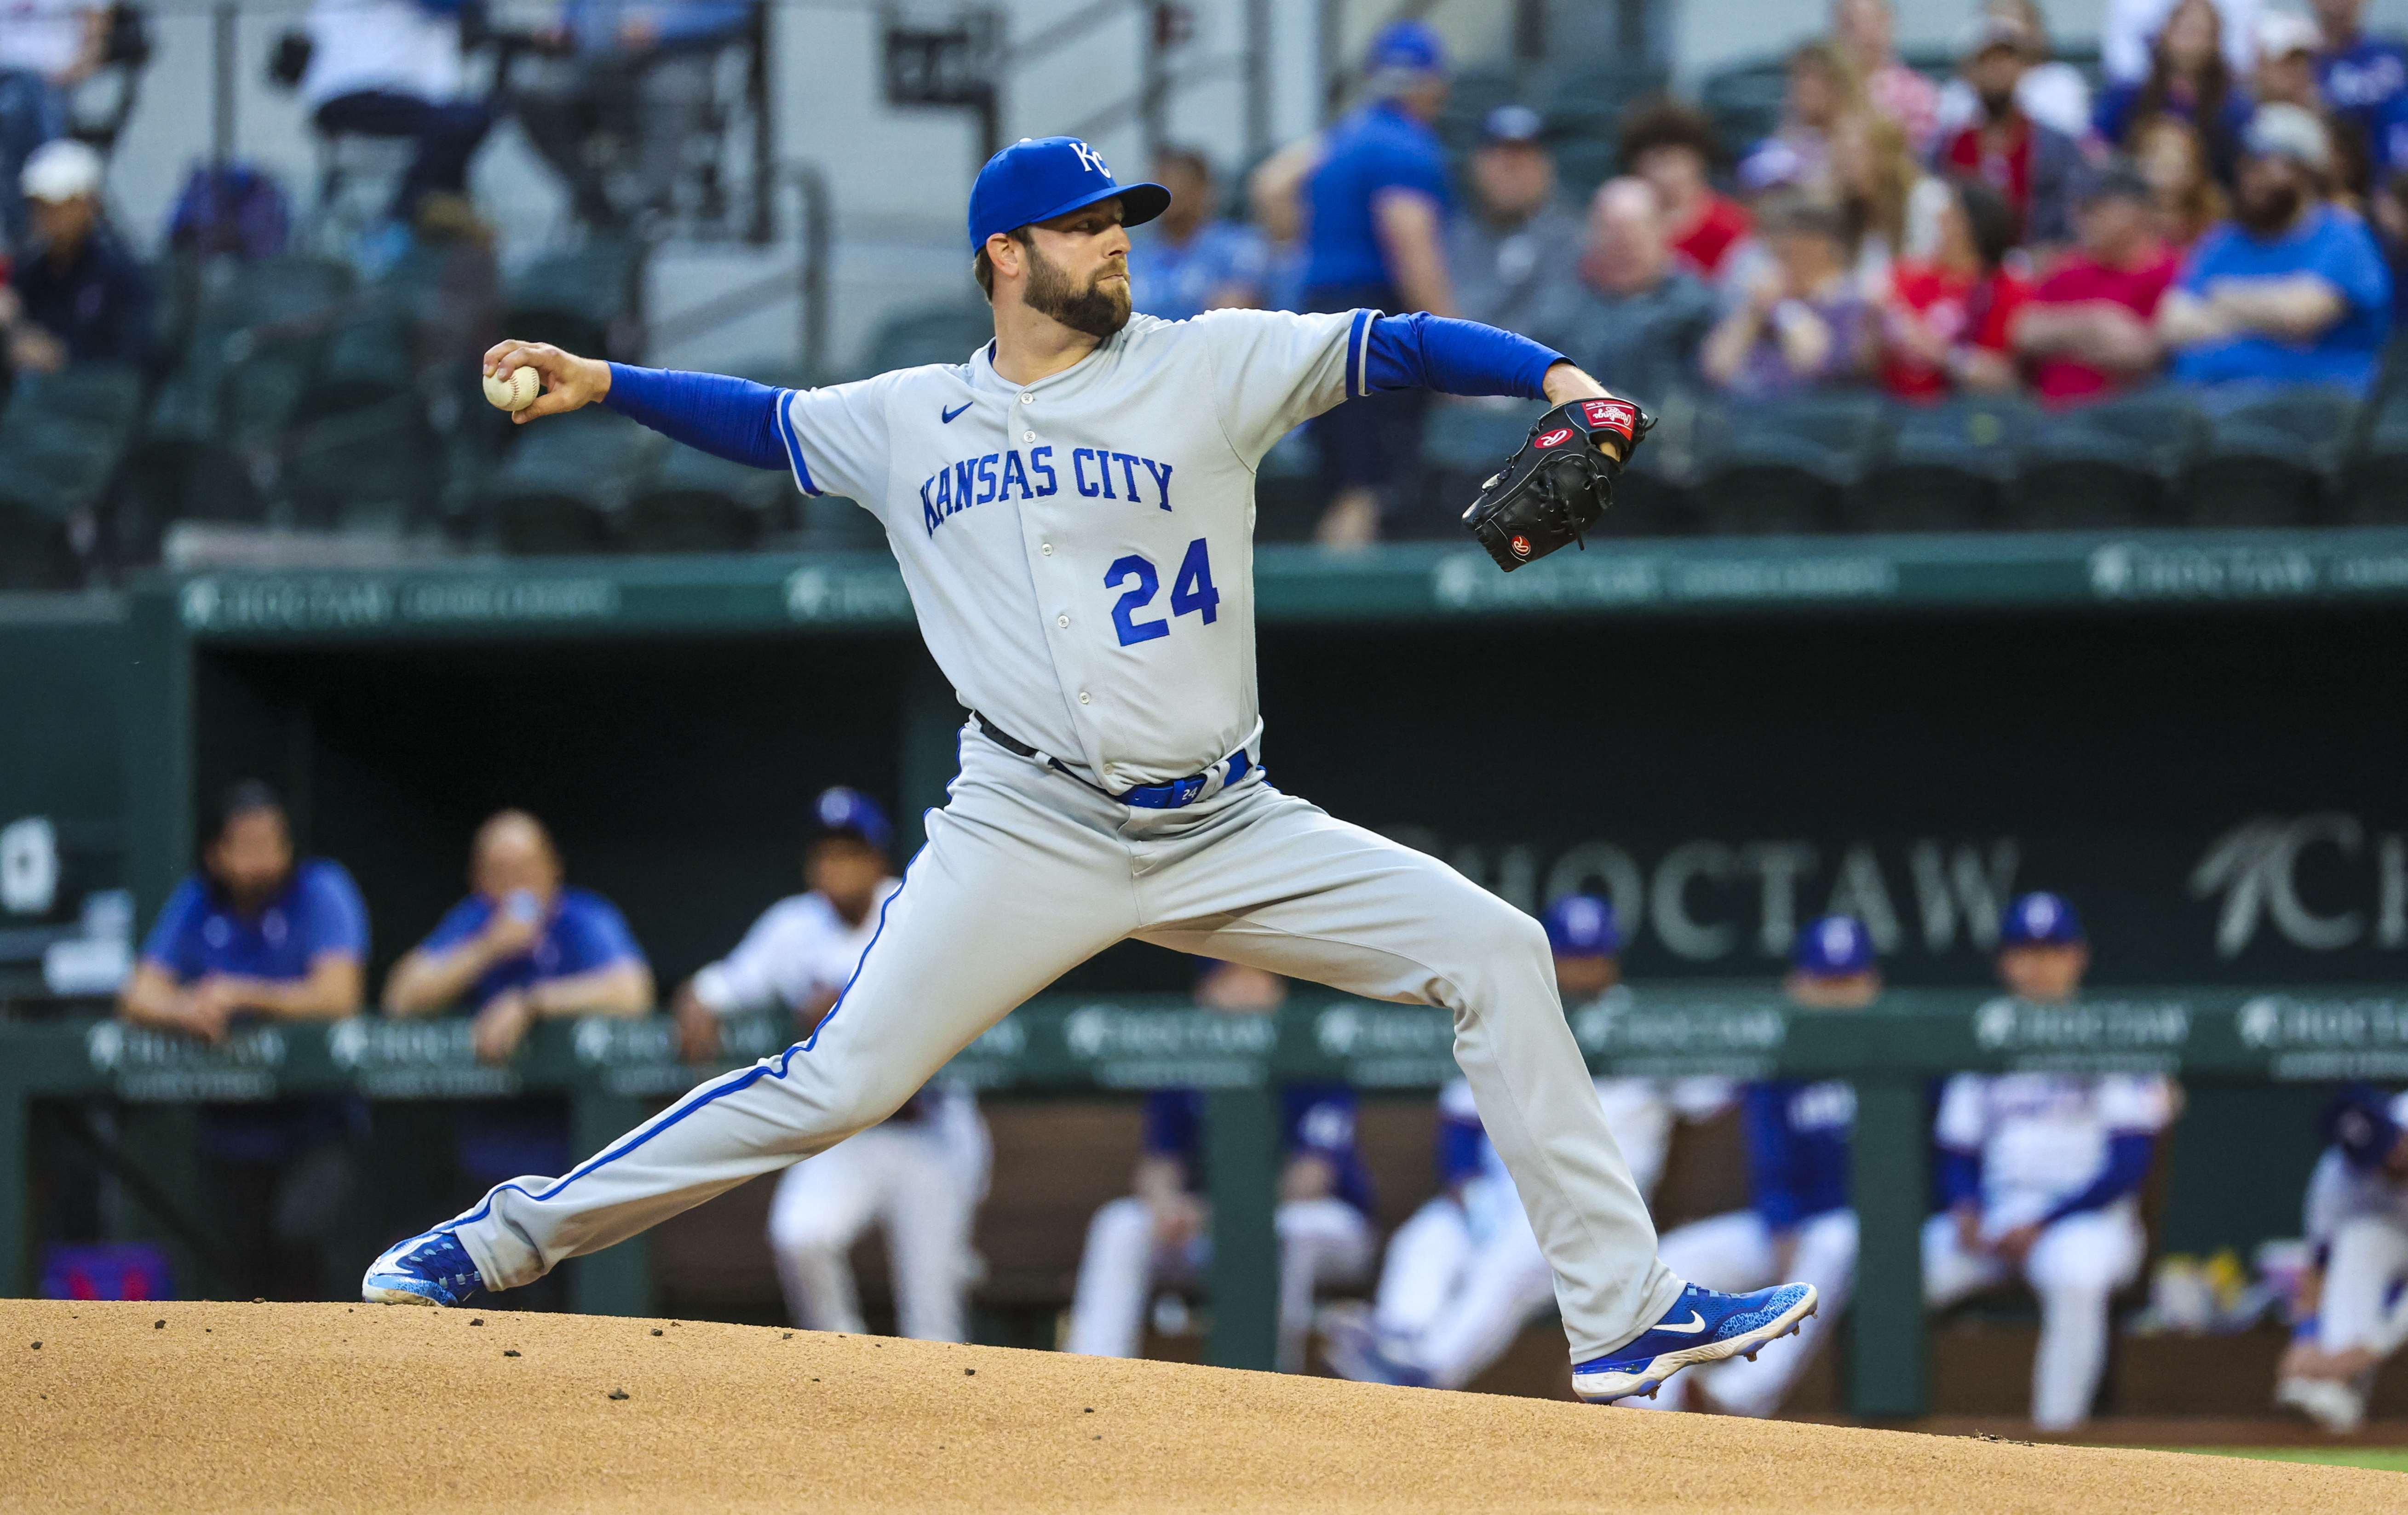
(2364, 81)
(77, 295)
(1371, 197)
(640, 69)
(1162, 1232)
(523, 947)
(2292, 291)
(256, 935)
(1799, 1224)
(1192, 260)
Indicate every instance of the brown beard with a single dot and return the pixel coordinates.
(2269, 211)
(1095, 311)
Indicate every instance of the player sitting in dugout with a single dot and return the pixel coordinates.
(2354, 1302)
(1162, 1234)
(1465, 1273)
(2042, 1174)
(258, 935)
(1072, 510)
(921, 1173)
(1800, 1219)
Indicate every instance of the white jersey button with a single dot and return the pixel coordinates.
(1061, 621)
(1082, 697)
(1028, 436)
(1046, 548)
(1028, 399)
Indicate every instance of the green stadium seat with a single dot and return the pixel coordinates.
(562, 485)
(1287, 490)
(2269, 463)
(2374, 486)
(834, 523)
(370, 468)
(2106, 465)
(577, 299)
(1945, 468)
(1784, 467)
(62, 438)
(697, 503)
(1746, 103)
(947, 333)
(1462, 444)
(1476, 91)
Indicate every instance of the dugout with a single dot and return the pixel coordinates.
(2190, 736)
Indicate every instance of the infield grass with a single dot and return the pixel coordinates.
(2382, 1459)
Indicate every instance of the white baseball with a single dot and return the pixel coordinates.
(514, 392)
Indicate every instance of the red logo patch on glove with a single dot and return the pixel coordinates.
(1553, 438)
(1617, 416)
(1521, 547)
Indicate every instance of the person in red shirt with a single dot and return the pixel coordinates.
(2015, 155)
(1944, 321)
(1672, 146)
(2090, 328)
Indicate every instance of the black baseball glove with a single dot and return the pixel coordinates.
(1559, 483)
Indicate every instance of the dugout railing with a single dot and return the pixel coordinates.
(615, 1071)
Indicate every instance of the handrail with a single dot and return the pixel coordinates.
(809, 277)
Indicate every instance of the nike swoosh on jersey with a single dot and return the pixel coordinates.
(946, 416)
(1697, 1323)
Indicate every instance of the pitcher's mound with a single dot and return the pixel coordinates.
(378, 1409)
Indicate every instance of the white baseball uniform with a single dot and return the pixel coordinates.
(2044, 1138)
(920, 1174)
(2359, 1220)
(1079, 552)
(1465, 1273)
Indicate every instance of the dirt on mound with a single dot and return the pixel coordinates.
(191, 1407)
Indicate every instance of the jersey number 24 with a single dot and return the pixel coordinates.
(1191, 593)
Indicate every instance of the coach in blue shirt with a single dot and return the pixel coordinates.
(2293, 290)
(523, 947)
(1376, 205)
(256, 935)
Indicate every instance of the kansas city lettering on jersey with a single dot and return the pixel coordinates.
(1097, 473)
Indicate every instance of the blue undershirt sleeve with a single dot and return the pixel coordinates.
(1960, 1176)
(1454, 357)
(2128, 1164)
(727, 418)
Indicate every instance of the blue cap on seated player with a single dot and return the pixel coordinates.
(2041, 919)
(842, 811)
(1587, 945)
(2365, 1123)
(1833, 965)
(1039, 177)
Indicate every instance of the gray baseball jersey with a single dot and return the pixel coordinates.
(1079, 549)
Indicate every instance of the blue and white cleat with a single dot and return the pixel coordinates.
(1353, 1346)
(430, 1269)
(1702, 1326)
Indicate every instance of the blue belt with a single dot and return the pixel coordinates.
(1175, 794)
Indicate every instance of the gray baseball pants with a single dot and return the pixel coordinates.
(1028, 873)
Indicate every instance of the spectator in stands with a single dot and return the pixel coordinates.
(1515, 257)
(392, 69)
(1945, 320)
(2363, 81)
(2292, 291)
(1801, 324)
(1672, 146)
(2090, 328)
(77, 296)
(2005, 149)
(1892, 206)
(2387, 212)
(1377, 206)
(2350, 1312)
(638, 69)
(1868, 31)
(255, 936)
(2171, 155)
(1163, 1231)
(523, 947)
(1642, 316)
(2051, 92)
(2190, 77)
(2287, 75)
(46, 47)
(1823, 88)
(2132, 27)
(1192, 258)
(2042, 1173)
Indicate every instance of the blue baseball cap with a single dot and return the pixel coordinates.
(1039, 177)
(1835, 947)
(2041, 919)
(2364, 1123)
(1406, 46)
(849, 813)
(1581, 925)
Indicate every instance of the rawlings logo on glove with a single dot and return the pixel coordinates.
(1551, 492)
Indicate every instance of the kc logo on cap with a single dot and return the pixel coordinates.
(1038, 179)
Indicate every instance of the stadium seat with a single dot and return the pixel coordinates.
(1945, 468)
(61, 437)
(1746, 103)
(561, 486)
(2374, 486)
(1476, 91)
(2272, 463)
(579, 299)
(1287, 490)
(697, 503)
(1783, 467)
(947, 333)
(2106, 465)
